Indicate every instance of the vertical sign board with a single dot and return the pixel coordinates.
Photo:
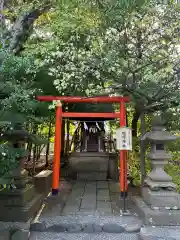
(124, 139)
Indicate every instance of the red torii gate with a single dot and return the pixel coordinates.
(60, 115)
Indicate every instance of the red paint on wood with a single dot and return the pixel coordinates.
(69, 99)
(57, 148)
(90, 115)
(123, 153)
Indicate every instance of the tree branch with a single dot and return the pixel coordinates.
(23, 27)
(1, 13)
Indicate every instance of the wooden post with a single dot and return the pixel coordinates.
(123, 156)
(57, 150)
(67, 137)
(82, 136)
(142, 150)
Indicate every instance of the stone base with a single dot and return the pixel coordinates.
(15, 230)
(93, 176)
(157, 217)
(21, 213)
(160, 233)
(16, 197)
(91, 162)
(43, 181)
(113, 172)
(161, 199)
(89, 166)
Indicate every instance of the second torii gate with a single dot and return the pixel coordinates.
(60, 115)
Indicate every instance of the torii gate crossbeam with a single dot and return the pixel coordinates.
(60, 115)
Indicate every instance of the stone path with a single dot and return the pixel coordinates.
(100, 197)
(86, 210)
(92, 211)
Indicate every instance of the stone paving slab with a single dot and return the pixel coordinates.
(79, 185)
(114, 187)
(83, 236)
(87, 197)
(104, 207)
(103, 195)
(102, 185)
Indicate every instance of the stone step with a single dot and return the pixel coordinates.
(82, 236)
(88, 223)
(90, 154)
(165, 233)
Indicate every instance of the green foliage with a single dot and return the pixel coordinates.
(18, 104)
(87, 48)
(8, 158)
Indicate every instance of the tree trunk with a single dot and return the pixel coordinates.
(62, 138)
(142, 150)
(29, 149)
(82, 135)
(67, 138)
(135, 119)
(48, 145)
(1, 14)
(35, 129)
(23, 27)
(127, 123)
(34, 159)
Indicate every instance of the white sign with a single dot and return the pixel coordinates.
(124, 139)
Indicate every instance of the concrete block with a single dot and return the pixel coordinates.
(113, 171)
(43, 181)
(38, 226)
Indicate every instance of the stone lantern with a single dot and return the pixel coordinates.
(19, 203)
(160, 202)
(158, 137)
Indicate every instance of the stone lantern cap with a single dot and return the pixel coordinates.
(159, 136)
(17, 135)
(158, 133)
